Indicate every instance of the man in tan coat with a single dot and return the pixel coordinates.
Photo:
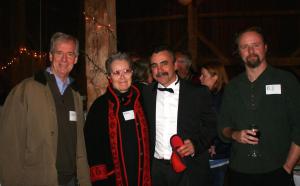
(41, 129)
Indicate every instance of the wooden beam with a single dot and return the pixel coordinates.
(214, 15)
(213, 48)
(276, 61)
(250, 14)
(192, 28)
(100, 34)
(284, 61)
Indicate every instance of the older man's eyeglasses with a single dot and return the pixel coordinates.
(119, 73)
(60, 54)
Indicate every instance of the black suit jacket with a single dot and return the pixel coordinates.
(196, 121)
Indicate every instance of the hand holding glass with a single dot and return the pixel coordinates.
(254, 152)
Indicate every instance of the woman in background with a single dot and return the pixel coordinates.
(141, 73)
(213, 75)
(116, 132)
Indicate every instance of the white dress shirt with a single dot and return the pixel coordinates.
(166, 119)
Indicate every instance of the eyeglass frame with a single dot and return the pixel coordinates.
(69, 55)
(119, 73)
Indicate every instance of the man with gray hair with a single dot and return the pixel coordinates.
(41, 130)
(183, 65)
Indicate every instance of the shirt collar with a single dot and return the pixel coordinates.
(61, 85)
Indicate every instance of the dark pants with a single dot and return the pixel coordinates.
(164, 175)
(278, 177)
(218, 174)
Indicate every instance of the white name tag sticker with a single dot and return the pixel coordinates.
(128, 115)
(72, 115)
(273, 89)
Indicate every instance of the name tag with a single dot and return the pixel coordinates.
(72, 116)
(273, 89)
(128, 115)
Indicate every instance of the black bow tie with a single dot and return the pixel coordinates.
(166, 89)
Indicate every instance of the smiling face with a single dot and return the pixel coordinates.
(121, 75)
(163, 69)
(63, 58)
(252, 49)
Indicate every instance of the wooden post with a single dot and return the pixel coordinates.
(192, 32)
(100, 42)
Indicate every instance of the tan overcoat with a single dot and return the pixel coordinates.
(29, 133)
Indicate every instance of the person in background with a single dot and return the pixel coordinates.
(141, 73)
(269, 98)
(41, 130)
(183, 65)
(134, 56)
(176, 107)
(116, 131)
(213, 75)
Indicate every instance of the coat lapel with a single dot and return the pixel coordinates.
(181, 101)
(152, 116)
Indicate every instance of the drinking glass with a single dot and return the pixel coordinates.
(254, 152)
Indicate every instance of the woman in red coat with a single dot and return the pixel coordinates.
(116, 132)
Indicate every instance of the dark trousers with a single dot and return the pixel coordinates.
(163, 174)
(218, 174)
(278, 177)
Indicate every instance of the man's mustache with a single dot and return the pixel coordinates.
(160, 74)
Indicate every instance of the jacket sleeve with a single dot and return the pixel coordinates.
(13, 136)
(97, 145)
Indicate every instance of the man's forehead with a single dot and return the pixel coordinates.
(159, 61)
(159, 55)
(251, 36)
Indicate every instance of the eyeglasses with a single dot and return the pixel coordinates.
(119, 73)
(60, 54)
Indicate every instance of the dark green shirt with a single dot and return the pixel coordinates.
(272, 102)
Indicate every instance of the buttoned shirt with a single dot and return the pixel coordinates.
(166, 119)
(62, 86)
(271, 102)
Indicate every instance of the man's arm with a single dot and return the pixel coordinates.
(12, 137)
(293, 157)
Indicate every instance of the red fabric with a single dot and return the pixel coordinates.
(98, 172)
(176, 161)
(115, 138)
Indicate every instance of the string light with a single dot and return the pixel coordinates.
(23, 51)
(99, 26)
(39, 55)
(95, 69)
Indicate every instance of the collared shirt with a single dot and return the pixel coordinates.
(62, 86)
(166, 119)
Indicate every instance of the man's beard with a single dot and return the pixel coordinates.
(253, 61)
